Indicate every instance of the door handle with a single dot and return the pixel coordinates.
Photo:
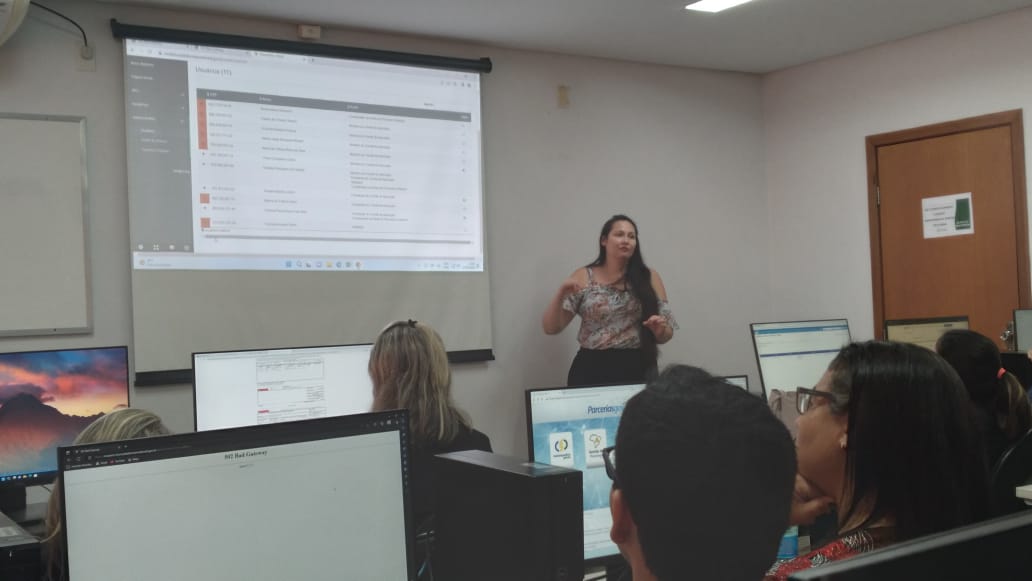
(1008, 337)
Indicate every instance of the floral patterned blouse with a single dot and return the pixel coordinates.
(610, 316)
(850, 545)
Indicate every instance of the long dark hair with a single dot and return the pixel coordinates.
(638, 278)
(913, 454)
(977, 361)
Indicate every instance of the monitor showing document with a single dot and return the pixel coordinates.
(319, 500)
(246, 388)
(923, 332)
(796, 353)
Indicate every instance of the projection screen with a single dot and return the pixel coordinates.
(283, 199)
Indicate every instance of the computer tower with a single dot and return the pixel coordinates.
(19, 553)
(506, 519)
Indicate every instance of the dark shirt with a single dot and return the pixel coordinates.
(421, 473)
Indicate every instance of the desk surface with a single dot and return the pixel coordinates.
(31, 518)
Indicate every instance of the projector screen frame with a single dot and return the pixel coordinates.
(123, 31)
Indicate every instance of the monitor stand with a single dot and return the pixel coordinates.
(618, 572)
(12, 499)
(12, 503)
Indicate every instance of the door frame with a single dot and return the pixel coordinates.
(1011, 119)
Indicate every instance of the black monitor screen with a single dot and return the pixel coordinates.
(47, 398)
(318, 500)
(996, 550)
(569, 427)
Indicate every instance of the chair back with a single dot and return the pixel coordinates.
(1013, 469)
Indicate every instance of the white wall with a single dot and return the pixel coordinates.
(680, 150)
(816, 117)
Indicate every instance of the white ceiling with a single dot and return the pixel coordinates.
(759, 37)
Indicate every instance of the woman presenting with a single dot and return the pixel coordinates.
(623, 309)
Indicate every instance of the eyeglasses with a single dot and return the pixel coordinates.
(609, 458)
(805, 398)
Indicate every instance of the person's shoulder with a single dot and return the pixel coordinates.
(467, 439)
(832, 551)
(657, 283)
(580, 275)
(480, 440)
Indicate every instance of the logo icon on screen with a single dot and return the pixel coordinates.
(594, 441)
(560, 449)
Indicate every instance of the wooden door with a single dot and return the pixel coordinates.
(981, 268)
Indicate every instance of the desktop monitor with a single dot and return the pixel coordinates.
(996, 549)
(569, 427)
(318, 500)
(46, 399)
(233, 389)
(796, 353)
(1023, 329)
(923, 332)
(741, 381)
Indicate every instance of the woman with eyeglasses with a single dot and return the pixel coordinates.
(888, 437)
(409, 369)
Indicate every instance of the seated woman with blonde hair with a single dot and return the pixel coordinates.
(888, 437)
(409, 369)
(121, 424)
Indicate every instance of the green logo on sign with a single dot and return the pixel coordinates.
(963, 215)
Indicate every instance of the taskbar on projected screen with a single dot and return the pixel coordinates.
(186, 261)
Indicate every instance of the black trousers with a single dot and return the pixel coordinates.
(602, 366)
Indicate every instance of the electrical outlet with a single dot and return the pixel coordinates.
(86, 60)
(563, 97)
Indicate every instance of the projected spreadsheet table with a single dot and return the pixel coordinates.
(279, 161)
(301, 155)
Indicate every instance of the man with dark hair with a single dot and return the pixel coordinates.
(703, 476)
